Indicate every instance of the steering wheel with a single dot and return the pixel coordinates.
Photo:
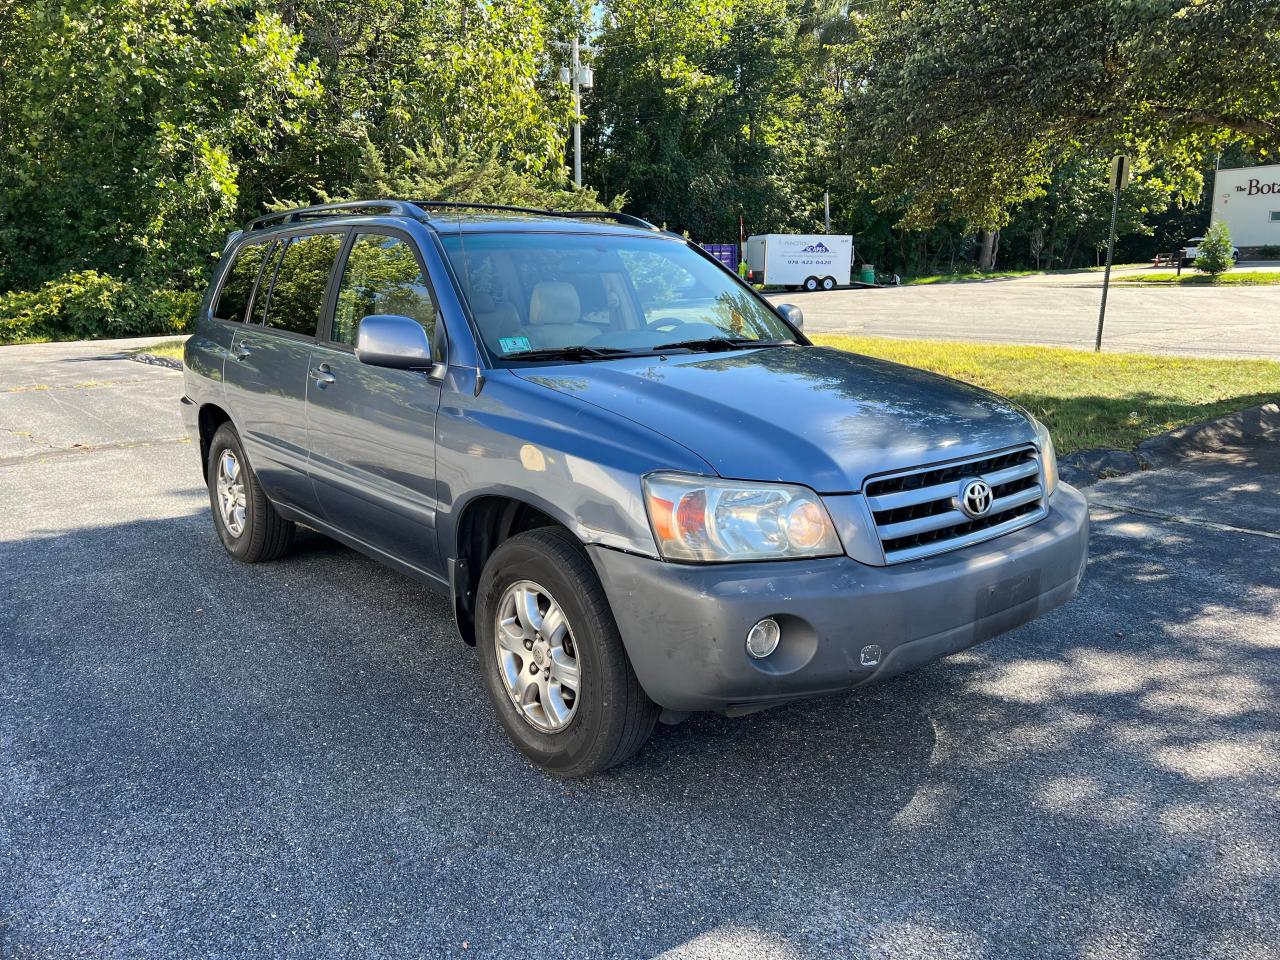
(664, 324)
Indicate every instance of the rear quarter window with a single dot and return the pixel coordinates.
(237, 288)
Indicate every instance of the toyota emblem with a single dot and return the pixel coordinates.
(976, 498)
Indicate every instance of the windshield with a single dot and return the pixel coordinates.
(601, 295)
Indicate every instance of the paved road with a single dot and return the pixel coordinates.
(1060, 310)
(199, 758)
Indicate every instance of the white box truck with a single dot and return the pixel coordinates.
(811, 261)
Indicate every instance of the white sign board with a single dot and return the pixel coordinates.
(1248, 201)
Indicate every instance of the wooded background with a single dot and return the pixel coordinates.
(951, 133)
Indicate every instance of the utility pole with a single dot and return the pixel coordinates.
(826, 210)
(1120, 169)
(577, 115)
(579, 78)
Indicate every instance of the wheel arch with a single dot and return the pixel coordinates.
(210, 417)
(484, 522)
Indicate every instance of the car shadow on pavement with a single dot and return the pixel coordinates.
(305, 747)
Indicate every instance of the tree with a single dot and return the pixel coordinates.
(435, 172)
(699, 113)
(966, 107)
(1214, 254)
(472, 77)
(128, 125)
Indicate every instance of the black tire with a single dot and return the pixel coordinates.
(828, 283)
(812, 283)
(266, 535)
(613, 717)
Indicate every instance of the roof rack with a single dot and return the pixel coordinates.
(417, 209)
(623, 218)
(350, 208)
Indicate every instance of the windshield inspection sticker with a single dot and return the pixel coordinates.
(513, 344)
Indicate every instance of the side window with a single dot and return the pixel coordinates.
(298, 293)
(258, 313)
(237, 288)
(381, 276)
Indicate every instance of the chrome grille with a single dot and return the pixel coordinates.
(916, 514)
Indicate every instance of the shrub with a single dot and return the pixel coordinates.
(171, 311)
(21, 316)
(1213, 254)
(87, 305)
(1269, 251)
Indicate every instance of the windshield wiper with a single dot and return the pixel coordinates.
(578, 353)
(711, 344)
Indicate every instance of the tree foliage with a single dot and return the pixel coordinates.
(970, 105)
(136, 133)
(435, 172)
(127, 125)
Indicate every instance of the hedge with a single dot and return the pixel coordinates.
(89, 305)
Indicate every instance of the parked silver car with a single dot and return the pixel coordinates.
(643, 488)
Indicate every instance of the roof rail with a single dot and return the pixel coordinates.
(350, 208)
(623, 218)
(628, 219)
(418, 210)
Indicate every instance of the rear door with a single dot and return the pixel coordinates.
(266, 375)
(373, 429)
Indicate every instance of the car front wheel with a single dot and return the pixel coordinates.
(553, 661)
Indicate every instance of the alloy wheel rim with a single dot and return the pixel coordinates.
(229, 487)
(537, 657)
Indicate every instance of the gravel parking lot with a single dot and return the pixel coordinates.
(204, 759)
(1059, 310)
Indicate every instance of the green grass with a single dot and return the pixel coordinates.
(170, 349)
(1089, 399)
(969, 276)
(1250, 278)
(966, 276)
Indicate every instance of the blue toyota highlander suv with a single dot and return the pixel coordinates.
(643, 488)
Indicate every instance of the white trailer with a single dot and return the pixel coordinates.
(811, 261)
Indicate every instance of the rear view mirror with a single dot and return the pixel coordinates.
(391, 340)
(792, 314)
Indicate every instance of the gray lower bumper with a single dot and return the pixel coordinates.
(684, 625)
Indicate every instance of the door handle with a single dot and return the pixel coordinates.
(322, 376)
(242, 352)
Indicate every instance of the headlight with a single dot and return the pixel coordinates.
(717, 521)
(1048, 458)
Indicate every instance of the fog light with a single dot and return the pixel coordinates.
(762, 639)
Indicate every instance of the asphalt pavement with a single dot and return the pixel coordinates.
(204, 759)
(1059, 310)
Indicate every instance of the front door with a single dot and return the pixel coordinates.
(266, 375)
(372, 428)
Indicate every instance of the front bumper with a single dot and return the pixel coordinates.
(684, 625)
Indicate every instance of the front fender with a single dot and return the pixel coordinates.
(572, 460)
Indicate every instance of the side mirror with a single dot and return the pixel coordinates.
(792, 314)
(390, 340)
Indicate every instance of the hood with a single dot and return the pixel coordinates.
(812, 415)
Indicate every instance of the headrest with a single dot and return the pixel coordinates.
(554, 301)
(482, 301)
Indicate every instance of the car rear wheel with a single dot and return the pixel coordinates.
(247, 523)
(553, 661)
